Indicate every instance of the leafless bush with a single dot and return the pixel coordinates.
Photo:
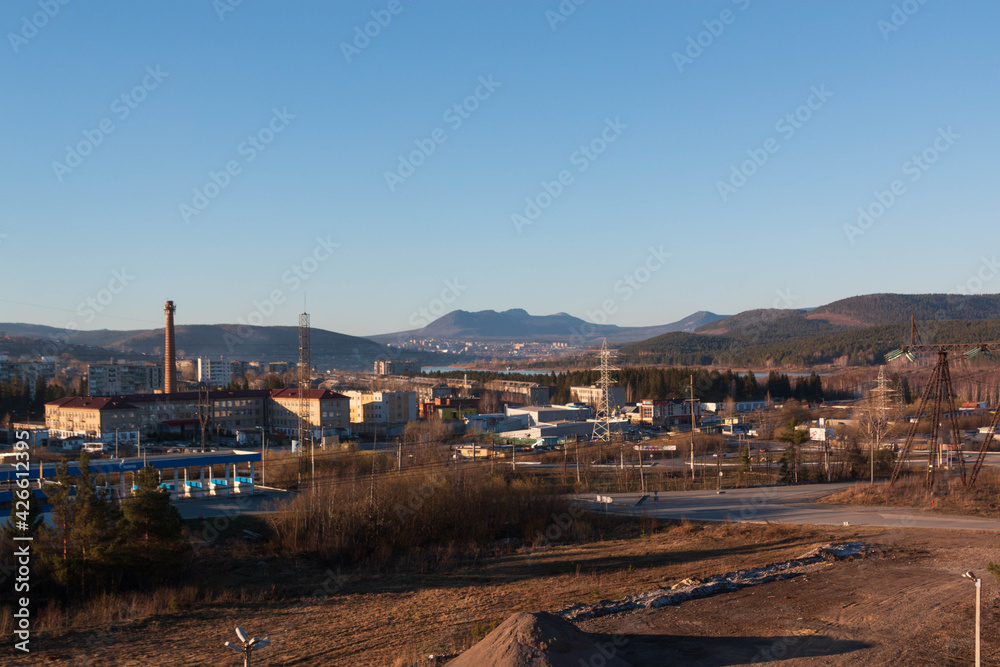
(412, 517)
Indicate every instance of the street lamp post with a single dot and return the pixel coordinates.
(263, 451)
(979, 591)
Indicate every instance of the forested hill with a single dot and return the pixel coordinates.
(853, 313)
(874, 309)
(855, 347)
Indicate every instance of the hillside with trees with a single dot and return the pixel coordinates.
(854, 347)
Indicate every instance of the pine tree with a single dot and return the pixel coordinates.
(77, 547)
(151, 531)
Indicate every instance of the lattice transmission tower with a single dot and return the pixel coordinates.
(305, 380)
(939, 396)
(602, 424)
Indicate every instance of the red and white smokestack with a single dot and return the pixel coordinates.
(169, 362)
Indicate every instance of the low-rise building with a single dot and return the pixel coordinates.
(530, 393)
(592, 395)
(407, 367)
(34, 433)
(382, 407)
(327, 413)
(740, 406)
(539, 414)
(103, 418)
(667, 412)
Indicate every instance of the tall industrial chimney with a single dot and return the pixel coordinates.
(169, 366)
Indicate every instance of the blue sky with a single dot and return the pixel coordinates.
(779, 238)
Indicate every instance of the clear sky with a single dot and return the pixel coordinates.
(309, 115)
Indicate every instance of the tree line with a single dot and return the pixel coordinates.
(648, 382)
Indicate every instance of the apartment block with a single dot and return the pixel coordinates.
(118, 379)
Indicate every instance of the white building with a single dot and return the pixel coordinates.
(592, 395)
(215, 372)
(545, 414)
(741, 406)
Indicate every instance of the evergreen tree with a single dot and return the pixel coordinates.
(76, 549)
(151, 531)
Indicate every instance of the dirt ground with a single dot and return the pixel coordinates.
(906, 606)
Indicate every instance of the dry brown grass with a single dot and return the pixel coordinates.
(948, 496)
(109, 609)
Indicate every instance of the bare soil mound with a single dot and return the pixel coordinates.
(540, 640)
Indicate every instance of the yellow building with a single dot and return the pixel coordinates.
(325, 411)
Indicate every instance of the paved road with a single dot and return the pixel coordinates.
(783, 504)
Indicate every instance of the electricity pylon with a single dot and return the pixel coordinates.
(602, 424)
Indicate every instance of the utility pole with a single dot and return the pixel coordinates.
(373, 477)
(642, 477)
(399, 455)
(204, 414)
(576, 455)
(718, 464)
(692, 429)
(305, 381)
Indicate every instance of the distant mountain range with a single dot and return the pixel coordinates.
(519, 325)
(856, 330)
(208, 340)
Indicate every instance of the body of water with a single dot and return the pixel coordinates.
(449, 369)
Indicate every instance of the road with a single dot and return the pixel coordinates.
(782, 504)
